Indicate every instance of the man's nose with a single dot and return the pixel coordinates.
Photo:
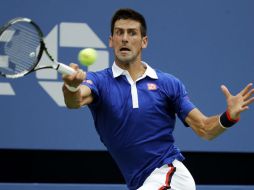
(125, 37)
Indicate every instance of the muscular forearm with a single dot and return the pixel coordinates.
(77, 99)
(212, 127)
(206, 127)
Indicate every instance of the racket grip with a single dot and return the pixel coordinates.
(64, 69)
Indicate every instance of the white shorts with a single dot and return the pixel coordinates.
(173, 176)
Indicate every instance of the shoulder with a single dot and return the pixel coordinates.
(166, 78)
(100, 75)
(170, 84)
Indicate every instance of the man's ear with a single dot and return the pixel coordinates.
(144, 42)
(110, 41)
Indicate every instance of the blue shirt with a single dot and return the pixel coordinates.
(135, 119)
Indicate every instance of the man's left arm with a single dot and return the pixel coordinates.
(210, 127)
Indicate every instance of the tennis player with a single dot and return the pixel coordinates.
(135, 106)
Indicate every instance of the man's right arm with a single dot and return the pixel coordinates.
(79, 98)
(75, 94)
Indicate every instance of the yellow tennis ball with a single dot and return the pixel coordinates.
(87, 56)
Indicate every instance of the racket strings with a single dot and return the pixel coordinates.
(21, 46)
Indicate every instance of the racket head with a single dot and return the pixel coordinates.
(21, 47)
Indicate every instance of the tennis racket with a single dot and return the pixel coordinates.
(21, 48)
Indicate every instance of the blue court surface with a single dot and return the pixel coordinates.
(37, 186)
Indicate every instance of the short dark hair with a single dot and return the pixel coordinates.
(127, 13)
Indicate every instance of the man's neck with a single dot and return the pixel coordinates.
(135, 70)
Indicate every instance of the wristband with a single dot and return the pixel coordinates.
(71, 88)
(226, 121)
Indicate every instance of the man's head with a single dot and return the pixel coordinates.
(131, 14)
(128, 36)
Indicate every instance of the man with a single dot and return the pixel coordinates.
(134, 109)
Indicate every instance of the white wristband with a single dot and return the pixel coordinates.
(71, 88)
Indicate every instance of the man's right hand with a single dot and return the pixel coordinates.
(76, 79)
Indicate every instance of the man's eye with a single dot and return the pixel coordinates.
(133, 33)
(118, 32)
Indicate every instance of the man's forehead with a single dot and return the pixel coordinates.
(127, 24)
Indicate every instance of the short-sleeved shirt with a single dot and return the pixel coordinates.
(135, 119)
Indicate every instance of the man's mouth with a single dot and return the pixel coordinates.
(124, 49)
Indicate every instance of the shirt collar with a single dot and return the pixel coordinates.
(117, 71)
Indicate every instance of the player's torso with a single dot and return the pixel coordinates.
(133, 121)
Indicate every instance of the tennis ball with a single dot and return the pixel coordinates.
(87, 56)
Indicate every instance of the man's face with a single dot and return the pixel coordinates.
(127, 41)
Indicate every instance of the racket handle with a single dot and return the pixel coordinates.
(64, 69)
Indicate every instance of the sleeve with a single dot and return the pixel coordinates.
(183, 104)
(92, 81)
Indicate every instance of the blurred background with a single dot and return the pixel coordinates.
(205, 43)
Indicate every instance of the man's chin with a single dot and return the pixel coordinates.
(125, 60)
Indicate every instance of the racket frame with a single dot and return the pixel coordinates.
(64, 69)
